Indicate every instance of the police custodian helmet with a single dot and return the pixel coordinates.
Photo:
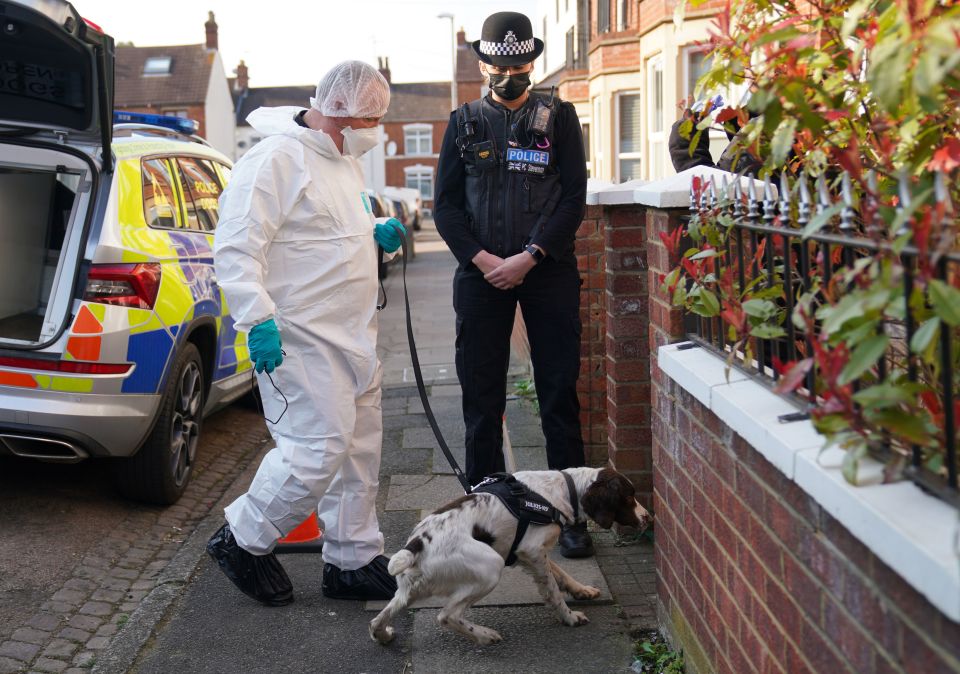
(507, 40)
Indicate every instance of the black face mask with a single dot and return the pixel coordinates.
(509, 87)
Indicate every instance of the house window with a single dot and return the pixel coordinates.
(623, 12)
(157, 65)
(420, 178)
(656, 136)
(583, 32)
(603, 16)
(586, 144)
(545, 37)
(570, 48)
(628, 136)
(695, 63)
(417, 139)
(182, 114)
(597, 135)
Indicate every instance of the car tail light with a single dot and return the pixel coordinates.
(125, 285)
(69, 366)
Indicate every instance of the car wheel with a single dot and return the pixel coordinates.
(160, 471)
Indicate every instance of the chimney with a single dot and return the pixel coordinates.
(243, 80)
(211, 26)
(461, 37)
(383, 65)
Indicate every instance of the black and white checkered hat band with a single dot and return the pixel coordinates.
(504, 49)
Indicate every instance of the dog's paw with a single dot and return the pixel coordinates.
(383, 636)
(585, 592)
(576, 618)
(485, 636)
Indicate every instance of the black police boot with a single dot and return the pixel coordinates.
(369, 582)
(575, 541)
(258, 576)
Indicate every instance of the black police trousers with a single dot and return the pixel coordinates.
(549, 299)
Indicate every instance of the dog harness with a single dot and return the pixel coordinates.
(526, 505)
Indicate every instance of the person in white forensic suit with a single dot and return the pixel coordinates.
(295, 253)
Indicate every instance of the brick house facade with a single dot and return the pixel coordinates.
(179, 80)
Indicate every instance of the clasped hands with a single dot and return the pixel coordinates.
(504, 273)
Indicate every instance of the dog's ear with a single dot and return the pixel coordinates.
(596, 503)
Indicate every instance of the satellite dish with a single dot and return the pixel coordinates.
(391, 148)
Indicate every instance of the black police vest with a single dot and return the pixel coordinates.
(512, 185)
(525, 504)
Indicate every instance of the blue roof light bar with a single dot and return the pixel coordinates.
(187, 126)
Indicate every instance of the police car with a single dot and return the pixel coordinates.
(115, 340)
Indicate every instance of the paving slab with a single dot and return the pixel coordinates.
(526, 457)
(422, 492)
(534, 642)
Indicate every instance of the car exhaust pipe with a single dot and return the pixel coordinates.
(43, 449)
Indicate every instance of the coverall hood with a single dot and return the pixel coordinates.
(280, 121)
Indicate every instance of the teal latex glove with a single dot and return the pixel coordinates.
(389, 234)
(264, 343)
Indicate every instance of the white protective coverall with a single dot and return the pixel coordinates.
(295, 242)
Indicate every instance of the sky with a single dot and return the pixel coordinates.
(296, 41)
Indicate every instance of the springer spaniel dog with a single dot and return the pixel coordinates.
(459, 551)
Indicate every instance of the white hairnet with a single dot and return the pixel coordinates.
(352, 89)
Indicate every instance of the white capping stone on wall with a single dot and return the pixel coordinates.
(915, 534)
(674, 191)
(594, 187)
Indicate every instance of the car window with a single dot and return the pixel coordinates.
(225, 172)
(201, 193)
(159, 201)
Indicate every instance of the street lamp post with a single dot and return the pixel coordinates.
(453, 45)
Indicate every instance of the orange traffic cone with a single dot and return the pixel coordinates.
(306, 537)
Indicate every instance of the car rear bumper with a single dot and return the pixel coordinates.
(69, 427)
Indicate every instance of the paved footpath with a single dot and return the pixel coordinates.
(191, 619)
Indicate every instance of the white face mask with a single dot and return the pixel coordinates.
(357, 142)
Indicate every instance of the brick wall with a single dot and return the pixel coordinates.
(395, 175)
(752, 575)
(628, 372)
(622, 55)
(654, 12)
(592, 384)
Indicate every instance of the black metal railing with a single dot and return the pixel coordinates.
(767, 249)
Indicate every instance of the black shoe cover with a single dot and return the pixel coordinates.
(258, 576)
(367, 583)
(575, 541)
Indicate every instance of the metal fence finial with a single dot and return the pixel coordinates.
(784, 197)
(823, 195)
(846, 213)
(905, 199)
(752, 211)
(803, 210)
(769, 205)
(737, 198)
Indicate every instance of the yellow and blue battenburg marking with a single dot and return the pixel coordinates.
(144, 338)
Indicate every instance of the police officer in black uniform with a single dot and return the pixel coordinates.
(510, 195)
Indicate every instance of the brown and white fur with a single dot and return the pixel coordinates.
(459, 550)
